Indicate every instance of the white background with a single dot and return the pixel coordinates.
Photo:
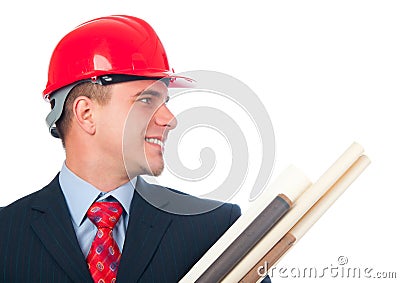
(327, 71)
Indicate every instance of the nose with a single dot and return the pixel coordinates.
(164, 117)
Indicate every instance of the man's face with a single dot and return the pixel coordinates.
(135, 124)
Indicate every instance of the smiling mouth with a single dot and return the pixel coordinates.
(155, 141)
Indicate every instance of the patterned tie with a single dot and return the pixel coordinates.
(104, 255)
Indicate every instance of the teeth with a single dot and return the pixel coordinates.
(156, 141)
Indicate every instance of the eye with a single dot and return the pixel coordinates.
(146, 100)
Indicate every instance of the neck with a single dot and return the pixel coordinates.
(97, 171)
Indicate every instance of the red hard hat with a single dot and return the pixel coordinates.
(105, 46)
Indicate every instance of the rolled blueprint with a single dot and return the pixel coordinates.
(301, 206)
(306, 222)
(291, 183)
(263, 265)
(246, 240)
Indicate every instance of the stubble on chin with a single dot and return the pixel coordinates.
(158, 169)
(154, 169)
(158, 172)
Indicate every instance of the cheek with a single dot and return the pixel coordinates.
(110, 126)
(133, 133)
(137, 122)
(111, 129)
(114, 118)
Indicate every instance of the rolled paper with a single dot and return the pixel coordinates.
(307, 221)
(330, 197)
(301, 206)
(246, 240)
(291, 183)
(261, 268)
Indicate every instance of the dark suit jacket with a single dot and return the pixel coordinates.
(38, 242)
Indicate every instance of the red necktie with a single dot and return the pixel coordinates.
(104, 255)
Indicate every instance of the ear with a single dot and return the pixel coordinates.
(84, 109)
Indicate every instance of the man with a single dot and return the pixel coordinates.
(108, 86)
(106, 69)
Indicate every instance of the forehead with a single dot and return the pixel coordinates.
(137, 87)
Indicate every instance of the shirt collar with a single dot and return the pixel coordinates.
(80, 195)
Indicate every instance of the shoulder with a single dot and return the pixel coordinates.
(210, 207)
(15, 217)
(181, 204)
(18, 205)
(19, 208)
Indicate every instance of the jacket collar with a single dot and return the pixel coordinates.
(147, 226)
(52, 224)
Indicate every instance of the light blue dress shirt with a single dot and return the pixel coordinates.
(80, 195)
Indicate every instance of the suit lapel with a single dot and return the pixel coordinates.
(52, 224)
(147, 226)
